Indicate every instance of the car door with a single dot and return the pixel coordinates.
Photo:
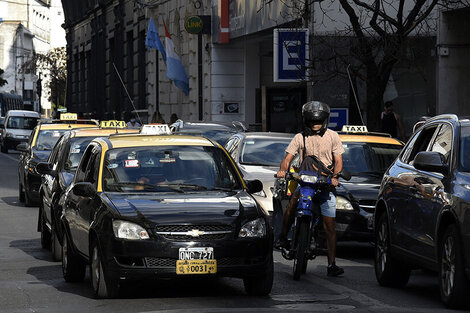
(427, 197)
(23, 160)
(49, 180)
(400, 184)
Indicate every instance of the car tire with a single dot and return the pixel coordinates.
(20, 192)
(301, 258)
(45, 234)
(261, 285)
(388, 271)
(104, 287)
(56, 247)
(73, 267)
(453, 283)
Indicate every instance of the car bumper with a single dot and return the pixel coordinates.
(354, 226)
(147, 260)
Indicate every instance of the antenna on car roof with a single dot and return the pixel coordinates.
(130, 99)
(355, 96)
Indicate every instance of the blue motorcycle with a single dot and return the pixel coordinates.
(304, 244)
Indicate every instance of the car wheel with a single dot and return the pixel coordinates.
(388, 271)
(73, 267)
(261, 285)
(103, 285)
(20, 192)
(56, 247)
(45, 234)
(453, 282)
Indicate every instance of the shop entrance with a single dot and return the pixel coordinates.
(284, 109)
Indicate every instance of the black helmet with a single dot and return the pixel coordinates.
(316, 111)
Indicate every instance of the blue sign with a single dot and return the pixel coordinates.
(290, 54)
(338, 118)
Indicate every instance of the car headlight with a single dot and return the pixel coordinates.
(309, 178)
(260, 194)
(9, 135)
(128, 230)
(255, 228)
(343, 204)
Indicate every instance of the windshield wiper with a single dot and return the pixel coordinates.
(145, 186)
(222, 189)
(181, 185)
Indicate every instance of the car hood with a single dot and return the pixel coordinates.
(360, 187)
(190, 208)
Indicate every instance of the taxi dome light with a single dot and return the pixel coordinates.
(354, 129)
(155, 129)
(113, 124)
(68, 116)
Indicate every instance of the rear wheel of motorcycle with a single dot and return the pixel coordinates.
(300, 260)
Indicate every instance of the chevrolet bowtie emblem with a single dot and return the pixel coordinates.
(195, 233)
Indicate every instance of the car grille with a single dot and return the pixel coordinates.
(367, 205)
(167, 262)
(194, 232)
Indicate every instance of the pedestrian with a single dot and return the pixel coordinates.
(324, 144)
(55, 114)
(391, 122)
(157, 118)
(173, 118)
(133, 123)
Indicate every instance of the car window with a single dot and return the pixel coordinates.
(53, 157)
(47, 139)
(230, 145)
(464, 154)
(443, 141)
(92, 169)
(81, 170)
(74, 153)
(21, 122)
(421, 143)
(263, 151)
(166, 168)
(369, 157)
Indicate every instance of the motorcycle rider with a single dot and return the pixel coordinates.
(326, 146)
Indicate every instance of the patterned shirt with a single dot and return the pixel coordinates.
(324, 148)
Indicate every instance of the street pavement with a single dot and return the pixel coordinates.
(31, 282)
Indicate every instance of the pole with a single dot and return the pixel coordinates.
(125, 89)
(199, 74)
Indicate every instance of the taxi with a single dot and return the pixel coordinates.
(156, 205)
(58, 173)
(367, 155)
(37, 149)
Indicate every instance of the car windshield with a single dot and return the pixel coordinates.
(169, 168)
(76, 146)
(264, 151)
(22, 122)
(47, 139)
(369, 157)
(465, 148)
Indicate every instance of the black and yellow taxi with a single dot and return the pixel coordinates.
(60, 168)
(367, 155)
(153, 206)
(37, 149)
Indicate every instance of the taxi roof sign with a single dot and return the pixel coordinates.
(155, 129)
(354, 129)
(113, 124)
(68, 116)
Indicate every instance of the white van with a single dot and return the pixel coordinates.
(17, 128)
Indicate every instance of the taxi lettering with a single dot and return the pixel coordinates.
(113, 124)
(354, 129)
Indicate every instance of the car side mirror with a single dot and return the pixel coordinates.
(431, 161)
(84, 189)
(345, 174)
(254, 186)
(45, 168)
(23, 147)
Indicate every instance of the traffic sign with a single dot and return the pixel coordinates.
(290, 54)
(338, 118)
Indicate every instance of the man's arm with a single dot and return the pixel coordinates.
(285, 165)
(338, 168)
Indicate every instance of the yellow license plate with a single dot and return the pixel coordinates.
(196, 267)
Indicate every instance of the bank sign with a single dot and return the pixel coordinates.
(290, 53)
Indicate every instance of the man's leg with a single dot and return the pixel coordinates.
(330, 230)
(287, 220)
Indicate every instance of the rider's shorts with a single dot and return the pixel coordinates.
(327, 201)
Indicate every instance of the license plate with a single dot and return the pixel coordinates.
(206, 253)
(196, 267)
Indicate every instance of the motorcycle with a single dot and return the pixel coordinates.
(305, 244)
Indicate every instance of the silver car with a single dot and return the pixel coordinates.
(258, 155)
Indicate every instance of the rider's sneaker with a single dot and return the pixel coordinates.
(281, 242)
(334, 270)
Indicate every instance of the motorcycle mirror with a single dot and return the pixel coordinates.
(345, 174)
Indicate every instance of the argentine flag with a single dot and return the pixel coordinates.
(174, 67)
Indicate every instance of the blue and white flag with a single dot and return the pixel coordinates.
(153, 39)
(174, 67)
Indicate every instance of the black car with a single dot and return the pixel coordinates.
(218, 131)
(422, 213)
(146, 207)
(60, 169)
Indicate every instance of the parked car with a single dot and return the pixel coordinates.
(60, 169)
(17, 128)
(258, 155)
(218, 131)
(37, 149)
(143, 207)
(421, 216)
